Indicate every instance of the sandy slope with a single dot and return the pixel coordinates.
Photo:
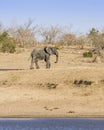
(51, 93)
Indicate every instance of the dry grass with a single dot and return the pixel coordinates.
(51, 93)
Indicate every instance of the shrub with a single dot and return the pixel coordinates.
(6, 43)
(8, 47)
(87, 54)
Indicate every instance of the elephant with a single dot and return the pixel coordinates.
(43, 54)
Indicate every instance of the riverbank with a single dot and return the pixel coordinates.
(52, 93)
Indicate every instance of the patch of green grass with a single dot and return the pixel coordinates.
(88, 54)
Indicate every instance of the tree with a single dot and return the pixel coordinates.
(23, 35)
(1, 28)
(93, 35)
(97, 38)
(6, 43)
(50, 34)
(68, 39)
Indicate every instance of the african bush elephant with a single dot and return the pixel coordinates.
(43, 54)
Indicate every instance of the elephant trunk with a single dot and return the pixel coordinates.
(57, 55)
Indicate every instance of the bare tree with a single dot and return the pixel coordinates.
(26, 34)
(67, 39)
(23, 34)
(50, 34)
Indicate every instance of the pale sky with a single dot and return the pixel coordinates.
(81, 15)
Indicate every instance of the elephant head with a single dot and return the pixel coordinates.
(52, 50)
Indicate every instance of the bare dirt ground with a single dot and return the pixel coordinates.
(51, 92)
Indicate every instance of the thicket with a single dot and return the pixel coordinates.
(6, 43)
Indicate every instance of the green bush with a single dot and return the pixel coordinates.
(8, 47)
(6, 43)
(87, 54)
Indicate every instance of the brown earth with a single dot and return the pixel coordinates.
(51, 92)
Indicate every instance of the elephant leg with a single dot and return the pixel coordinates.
(32, 64)
(36, 64)
(47, 60)
(48, 64)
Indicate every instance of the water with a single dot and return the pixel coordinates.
(52, 124)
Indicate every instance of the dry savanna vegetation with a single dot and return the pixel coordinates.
(74, 87)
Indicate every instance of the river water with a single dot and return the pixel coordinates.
(51, 124)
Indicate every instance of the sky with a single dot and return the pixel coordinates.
(79, 15)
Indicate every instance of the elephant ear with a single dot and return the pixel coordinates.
(48, 50)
